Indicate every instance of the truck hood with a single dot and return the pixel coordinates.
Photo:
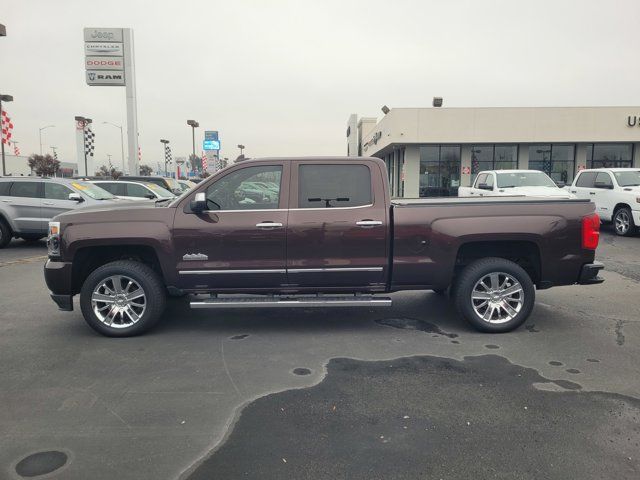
(97, 212)
(552, 192)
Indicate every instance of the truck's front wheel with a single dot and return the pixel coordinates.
(122, 298)
(494, 295)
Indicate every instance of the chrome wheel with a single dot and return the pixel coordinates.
(118, 301)
(497, 297)
(623, 222)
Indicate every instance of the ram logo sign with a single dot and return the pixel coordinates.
(105, 77)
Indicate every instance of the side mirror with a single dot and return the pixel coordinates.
(199, 203)
(560, 183)
(76, 197)
(606, 186)
(150, 196)
(484, 186)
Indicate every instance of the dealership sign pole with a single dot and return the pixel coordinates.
(109, 61)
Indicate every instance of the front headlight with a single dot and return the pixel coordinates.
(53, 239)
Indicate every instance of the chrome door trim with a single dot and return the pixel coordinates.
(334, 269)
(369, 223)
(215, 272)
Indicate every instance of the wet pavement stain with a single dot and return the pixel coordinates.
(531, 328)
(593, 360)
(455, 341)
(573, 370)
(492, 347)
(619, 333)
(414, 324)
(240, 337)
(301, 371)
(358, 403)
(555, 363)
(41, 463)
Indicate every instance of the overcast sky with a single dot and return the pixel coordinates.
(282, 77)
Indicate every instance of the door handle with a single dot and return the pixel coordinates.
(368, 223)
(47, 203)
(268, 225)
(574, 191)
(7, 201)
(592, 193)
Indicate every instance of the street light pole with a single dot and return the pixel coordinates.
(121, 142)
(4, 98)
(40, 134)
(165, 143)
(193, 124)
(241, 147)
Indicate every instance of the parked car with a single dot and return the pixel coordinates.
(530, 183)
(167, 183)
(616, 193)
(330, 237)
(28, 203)
(134, 190)
(186, 184)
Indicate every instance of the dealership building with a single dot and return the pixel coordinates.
(430, 152)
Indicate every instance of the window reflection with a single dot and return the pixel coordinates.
(556, 160)
(439, 170)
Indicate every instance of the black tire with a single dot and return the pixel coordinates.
(148, 280)
(623, 223)
(5, 234)
(32, 237)
(477, 271)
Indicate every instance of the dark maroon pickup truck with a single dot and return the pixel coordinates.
(316, 232)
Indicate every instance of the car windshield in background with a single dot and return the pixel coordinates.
(158, 190)
(628, 179)
(91, 190)
(173, 183)
(524, 179)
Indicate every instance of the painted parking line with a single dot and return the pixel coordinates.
(39, 258)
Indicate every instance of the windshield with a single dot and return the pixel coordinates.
(159, 191)
(524, 179)
(173, 183)
(628, 179)
(91, 190)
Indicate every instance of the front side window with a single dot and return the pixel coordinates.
(628, 179)
(138, 191)
(482, 178)
(603, 180)
(56, 191)
(250, 188)
(115, 188)
(327, 186)
(24, 189)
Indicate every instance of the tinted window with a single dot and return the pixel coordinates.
(249, 188)
(135, 190)
(490, 180)
(4, 188)
(586, 179)
(625, 179)
(56, 191)
(24, 189)
(113, 188)
(482, 178)
(603, 180)
(321, 186)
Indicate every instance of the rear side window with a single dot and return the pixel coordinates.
(586, 179)
(603, 180)
(56, 191)
(24, 189)
(4, 188)
(113, 188)
(327, 186)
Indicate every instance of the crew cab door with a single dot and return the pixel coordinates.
(605, 203)
(584, 185)
(338, 225)
(239, 241)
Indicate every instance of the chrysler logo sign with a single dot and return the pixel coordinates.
(101, 49)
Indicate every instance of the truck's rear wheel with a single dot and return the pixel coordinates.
(122, 299)
(494, 295)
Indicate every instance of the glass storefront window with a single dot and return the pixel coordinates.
(556, 160)
(609, 155)
(439, 170)
(493, 157)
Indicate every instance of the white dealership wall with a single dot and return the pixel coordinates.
(409, 128)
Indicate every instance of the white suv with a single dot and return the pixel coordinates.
(616, 193)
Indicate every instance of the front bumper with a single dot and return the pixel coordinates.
(589, 274)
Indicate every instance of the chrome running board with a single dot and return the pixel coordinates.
(291, 301)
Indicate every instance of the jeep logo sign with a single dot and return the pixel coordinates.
(105, 77)
(103, 35)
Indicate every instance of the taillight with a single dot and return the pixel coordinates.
(590, 232)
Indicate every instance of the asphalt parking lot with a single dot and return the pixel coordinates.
(406, 392)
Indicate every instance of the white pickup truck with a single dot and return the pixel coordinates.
(616, 193)
(528, 183)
